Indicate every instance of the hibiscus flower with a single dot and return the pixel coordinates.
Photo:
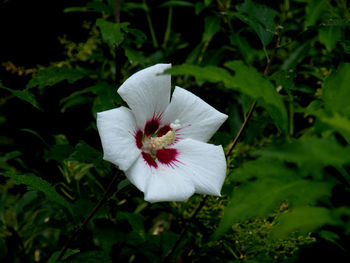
(161, 144)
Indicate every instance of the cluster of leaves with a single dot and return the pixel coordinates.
(287, 189)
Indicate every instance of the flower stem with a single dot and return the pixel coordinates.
(87, 219)
(244, 125)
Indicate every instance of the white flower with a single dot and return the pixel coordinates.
(161, 145)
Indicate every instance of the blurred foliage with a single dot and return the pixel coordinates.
(286, 195)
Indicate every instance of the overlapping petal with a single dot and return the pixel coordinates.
(198, 119)
(147, 92)
(161, 184)
(204, 164)
(116, 128)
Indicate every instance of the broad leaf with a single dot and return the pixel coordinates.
(53, 75)
(314, 11)
(260, 18)
(310, 154)
(337, 122)
(86, 154)
(303, 220)
(112, 33)
(262, 197)
(336, 91)
(329, 36)
(211, 27)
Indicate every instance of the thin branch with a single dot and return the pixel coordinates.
(87, 219)
(117, 11)
(243, 127)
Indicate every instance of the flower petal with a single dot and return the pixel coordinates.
(203, 163)
(147, 92)
(117, 131)
(198, 119)
(160, 184)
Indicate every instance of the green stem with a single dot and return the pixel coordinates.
(87, 219)
(168, 27)
(150, 25)
(291, 118)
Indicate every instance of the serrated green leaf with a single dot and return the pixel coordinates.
(262, 197)
(37, 184)
(112, 33)
(260, 18)
(53, 75)
(303, 220)
(336, 91)
(25, 95)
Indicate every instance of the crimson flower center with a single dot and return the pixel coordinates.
(154, 142)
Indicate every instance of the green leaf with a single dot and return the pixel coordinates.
(260, 18)
(338, 123)
(336, 91)
(311, 154)
(89, 257)
(25, 95)
(346, 46)
(178, 3)
(58, 152)
(246, 80)
(69, 252)
(255, 85)
(37, 184)
(330, 36)
(53, 75)
(135, 221)
(212, 25)
(262, 197)
(84, 153)
(314, 11)
(298, 53)
(112, 33)
(303, 220)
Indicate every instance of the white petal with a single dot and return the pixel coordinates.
(147, 92)
(198, 119)
(160, 184)
(116, 128)
(204, 164)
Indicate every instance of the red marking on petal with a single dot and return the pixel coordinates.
(151, 126)
(167, 156)
(149, 160)
(138, 138)
(162, 131)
